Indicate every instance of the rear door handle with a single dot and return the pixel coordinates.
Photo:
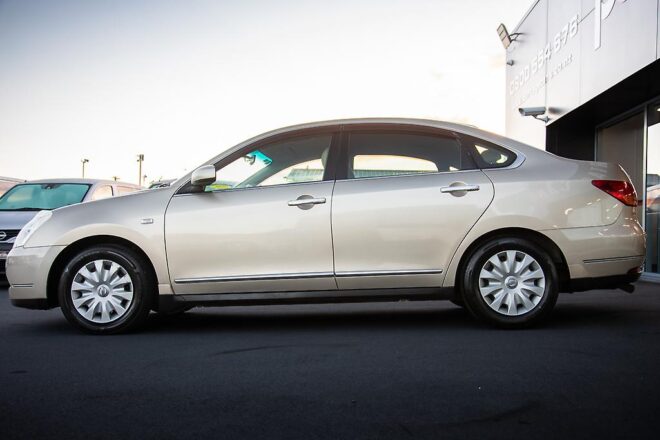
(307, 201)
(459, 188)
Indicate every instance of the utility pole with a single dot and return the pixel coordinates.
(115, 178)
(140, 160)
(83, 161)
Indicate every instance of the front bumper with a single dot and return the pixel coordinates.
(34, 304)
(27, 272)
(4, 250)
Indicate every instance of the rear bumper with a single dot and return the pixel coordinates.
(610, 282)
(615, 250)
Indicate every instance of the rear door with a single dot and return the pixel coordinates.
(404, 200)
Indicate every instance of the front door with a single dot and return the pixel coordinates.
(404, 204)
(263, 226)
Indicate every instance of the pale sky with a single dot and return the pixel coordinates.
(181, 81)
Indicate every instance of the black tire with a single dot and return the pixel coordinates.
(144, 289)
(478, 306)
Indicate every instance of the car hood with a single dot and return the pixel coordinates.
(15, 219)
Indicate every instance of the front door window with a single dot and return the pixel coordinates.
(297, 160)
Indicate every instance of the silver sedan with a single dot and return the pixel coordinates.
(342, 211)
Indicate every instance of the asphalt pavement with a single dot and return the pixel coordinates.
(409, 370)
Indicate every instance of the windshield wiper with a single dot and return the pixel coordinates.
(20, 209)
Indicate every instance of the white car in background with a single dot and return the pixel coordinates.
(7, 182)
(342, 211)
(23, 200)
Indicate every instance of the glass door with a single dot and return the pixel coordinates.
(623, 143)
(652, 202)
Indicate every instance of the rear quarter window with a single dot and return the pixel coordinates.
(121, 190)
(488, 155)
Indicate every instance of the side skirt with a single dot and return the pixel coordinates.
(172, 302)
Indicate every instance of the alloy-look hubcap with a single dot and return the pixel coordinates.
(512, 282)
(102, 291)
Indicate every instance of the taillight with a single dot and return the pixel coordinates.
(619, 189)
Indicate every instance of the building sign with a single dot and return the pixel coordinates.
(602, 10)
(564, 59)
(552, 48)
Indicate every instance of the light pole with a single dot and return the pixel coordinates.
(84, 161)
(115, 178)
(140, 160)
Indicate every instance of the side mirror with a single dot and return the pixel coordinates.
(202, 176)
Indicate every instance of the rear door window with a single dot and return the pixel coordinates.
(381, 154)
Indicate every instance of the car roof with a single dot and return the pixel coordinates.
(469, 130)
(84, 181)
(521, 149)
(464, 129)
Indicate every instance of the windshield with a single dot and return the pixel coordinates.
(38, 196)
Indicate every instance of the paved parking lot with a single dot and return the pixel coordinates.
(405, 370)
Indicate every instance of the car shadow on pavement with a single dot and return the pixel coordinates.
(298, 317)
(386, 316)
(444, 316)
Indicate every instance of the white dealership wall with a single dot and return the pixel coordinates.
(570, 51)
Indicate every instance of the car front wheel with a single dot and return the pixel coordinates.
(106, 289)
(510, 283)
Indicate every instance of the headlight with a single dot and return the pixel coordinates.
(34, 224)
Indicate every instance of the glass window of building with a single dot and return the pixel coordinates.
(652, 202)
(623, 143)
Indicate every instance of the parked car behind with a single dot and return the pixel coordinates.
(7, 182)
(161, 183)
(22, 201)
(342, 211)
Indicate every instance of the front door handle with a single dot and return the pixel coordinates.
(459, 188)
(306, 202)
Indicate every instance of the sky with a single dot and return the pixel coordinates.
(182, 81)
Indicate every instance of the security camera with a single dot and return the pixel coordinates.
(534, 112)
(531, 111)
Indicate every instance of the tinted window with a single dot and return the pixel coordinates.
(393, 154)
(364, 164)
(35, 197)
(102, 192)
(294, 160)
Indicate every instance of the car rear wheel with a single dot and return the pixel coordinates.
(106, 289)
(510, 283)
